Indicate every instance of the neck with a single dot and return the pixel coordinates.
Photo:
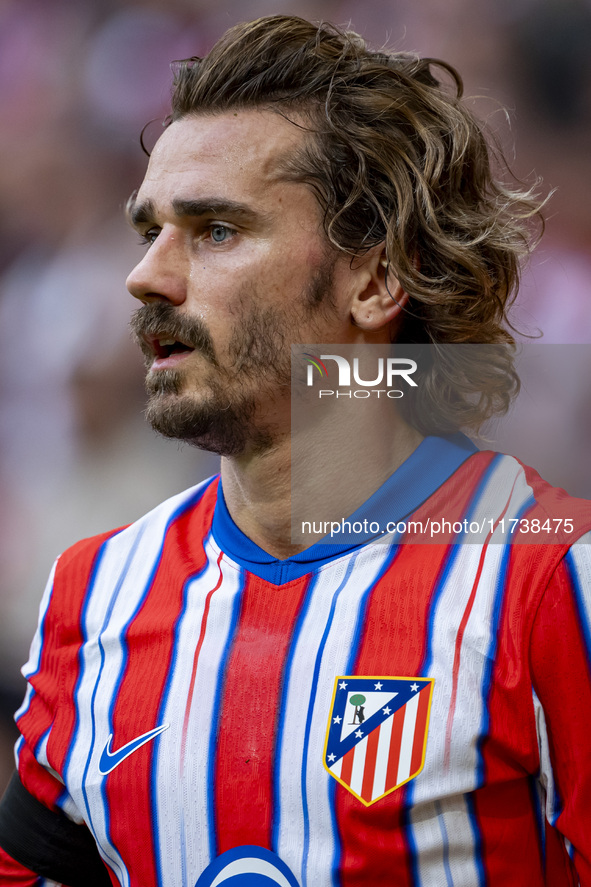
(258, 491)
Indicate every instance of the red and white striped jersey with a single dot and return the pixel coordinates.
(380, 714)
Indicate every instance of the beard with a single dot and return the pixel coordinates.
(214, 422)
(224, 416)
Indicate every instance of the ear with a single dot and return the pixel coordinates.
(378, 306)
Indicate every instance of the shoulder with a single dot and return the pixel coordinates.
(516, 490)
(542, 523)
(113, 550)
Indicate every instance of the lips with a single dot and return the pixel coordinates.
(167, 336)
(166, 350)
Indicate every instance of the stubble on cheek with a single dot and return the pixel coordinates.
(259, 347)
(263, 336)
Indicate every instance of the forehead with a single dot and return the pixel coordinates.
(236, 153)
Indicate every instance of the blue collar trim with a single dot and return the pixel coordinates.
(425, 470)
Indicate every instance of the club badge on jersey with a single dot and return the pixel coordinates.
(376, 738)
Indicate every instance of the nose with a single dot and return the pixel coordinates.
(162, 273)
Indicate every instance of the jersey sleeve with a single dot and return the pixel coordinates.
(42, 834)
(36, 716)
(561, 675)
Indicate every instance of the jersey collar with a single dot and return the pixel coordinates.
(425, 470)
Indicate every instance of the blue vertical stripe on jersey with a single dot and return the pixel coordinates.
(311, 702)
(29, 696)
(486, 683)
(163, 704)
(492, 649)
(18, 747)
(411, 846)
(557, 805)
(582, 600)
(549, 797)
(97, 563)
(350, 669)
(186, 506)
(193, 500)
(361, 614)
(437, 592)
(63, 799)
(43, 738)
(440, 584)
(485, 691)
(332, 794)
(285, 682)
(107, 850)
(477, 494)
(445, 842)
(95, 568)
(478, 860)
(218, 696)
(184, 874)
(410, 786)
(534, 791)
(448, 563)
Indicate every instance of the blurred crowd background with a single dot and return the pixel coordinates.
(78, 81)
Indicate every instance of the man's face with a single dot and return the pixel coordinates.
(236, 270)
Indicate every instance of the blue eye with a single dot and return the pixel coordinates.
(219, 233)
(150, 236)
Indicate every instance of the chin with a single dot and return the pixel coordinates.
(214, 424)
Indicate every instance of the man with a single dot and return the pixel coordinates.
(195, 680)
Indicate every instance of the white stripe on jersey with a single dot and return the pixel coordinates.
(344, 584)
(383, 753)
(41, 755)
(123, 577)
(461, 776)
(408, 731)
(190, 791)
(359, 755)
(337, 767)
(549, 799)
(443, 859)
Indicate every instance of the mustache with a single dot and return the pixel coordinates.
(160, 320)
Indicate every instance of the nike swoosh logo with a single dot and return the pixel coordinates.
(111, 759)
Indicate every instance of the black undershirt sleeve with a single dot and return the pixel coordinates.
(48, 843)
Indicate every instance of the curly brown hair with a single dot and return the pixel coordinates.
(396, 157)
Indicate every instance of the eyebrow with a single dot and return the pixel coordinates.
(144, 213)
(139, 213)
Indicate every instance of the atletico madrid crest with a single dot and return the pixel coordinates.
(377, 733)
